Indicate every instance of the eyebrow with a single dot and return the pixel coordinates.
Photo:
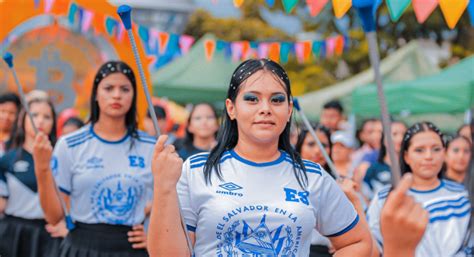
(259, 93)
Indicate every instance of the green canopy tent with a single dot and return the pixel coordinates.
(450, 91)
(407, 63)
(194, 79)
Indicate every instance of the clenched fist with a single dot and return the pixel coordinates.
(42, 151)
(166, 165)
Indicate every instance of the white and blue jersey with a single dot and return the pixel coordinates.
(259, 209)
(449, 210)
(18, 185)
(107, 182)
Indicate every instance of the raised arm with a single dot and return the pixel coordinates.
(166, 235)
(48, 195)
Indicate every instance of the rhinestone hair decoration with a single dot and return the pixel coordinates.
(246, 70)
(114, 67)
(419, 127)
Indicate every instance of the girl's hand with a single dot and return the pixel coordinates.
(166, 165)
(137, 237)
(42, 152)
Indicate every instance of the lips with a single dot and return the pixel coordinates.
(264, 123)
(116, 105)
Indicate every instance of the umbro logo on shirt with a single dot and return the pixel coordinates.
(229, 189)
(94, 163)
(21, 166)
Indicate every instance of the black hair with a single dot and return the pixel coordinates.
(228, 134)
(10, 98)
(383, 147)
(189, 137)
(159, 111)
(19, 133)
(73, 121)
(105, 70)
(450, 139)
(318, 128)
(334, 104)
(412, 131)
(361, 128)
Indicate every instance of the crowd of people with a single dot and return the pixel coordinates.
(248, 182)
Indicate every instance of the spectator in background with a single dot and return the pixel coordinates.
(370, 135)
(9, 108)
(201, 131)
(378, 174)
(465, 130)
(332, 115)
(458, 154)
(72, 124)
(342, 149)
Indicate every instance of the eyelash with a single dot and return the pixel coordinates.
(275, 99)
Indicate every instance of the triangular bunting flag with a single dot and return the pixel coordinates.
(163, 39)
(238, 3)
(316, 6)
(262, 51)
(397, 7)
(289, 5)
(274, 51)
(48, 5)
(453, 10)
(423, 9)
(209, 48)
(341, 7)
(185, 43)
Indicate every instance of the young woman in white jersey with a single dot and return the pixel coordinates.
(252, 195)
(422, 153)
(22, 231)
(102, 171)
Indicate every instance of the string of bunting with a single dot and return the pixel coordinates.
(161, 47)
(452, 9)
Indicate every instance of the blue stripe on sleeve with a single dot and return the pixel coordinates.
(351, 226)
(191, 228)
(64, 191)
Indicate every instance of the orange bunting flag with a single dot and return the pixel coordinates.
(274, 51)
(238, 3)
(209, 48)
(339, 49)
(98, 23)
(245, 49)
(423, 9)
(316, 6)
(341, 7)
(453, 10)
(163, 39)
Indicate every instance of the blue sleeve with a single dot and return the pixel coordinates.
(3, 179)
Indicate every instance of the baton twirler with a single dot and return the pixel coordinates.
(124, 11)
(8, 58)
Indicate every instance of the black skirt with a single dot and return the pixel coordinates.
(26, 238)
(319, 251)
(99, 240)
